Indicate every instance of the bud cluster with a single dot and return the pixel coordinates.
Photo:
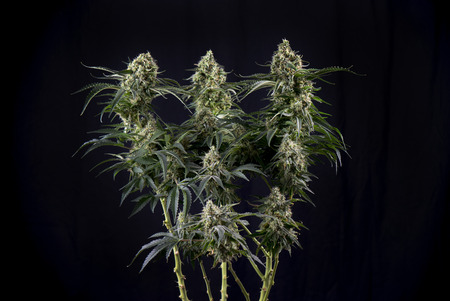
(208, 72)
(277, 205)
(285, 63)
(133, 108)
(209, 78)
(294, 93)
(292, 155)
(143, 72)
(217, 225)
(211, 161)
(209, 156)
(277, 228)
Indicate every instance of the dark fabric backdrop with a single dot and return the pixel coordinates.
(380, 230)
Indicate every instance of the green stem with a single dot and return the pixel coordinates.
(254, 239)
(274, 270)
(266, 279)
(269, 276)
(176, 253)
(255, 267)
(238, 281)
(223, 290)
(207, 283)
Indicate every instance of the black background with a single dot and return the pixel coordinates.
(380, 230)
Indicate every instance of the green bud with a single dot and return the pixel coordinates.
(208, 79)
(285, 61)
(292, 154)
(208, 72)
(211, 159)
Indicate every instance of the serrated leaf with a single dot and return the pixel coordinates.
(187, 200)
(299, 125)
(141, 184)
(202, 185)
(180, 147)
(96, 89)
(172, 201)
(151, 183)
(150, 256)
(163, 162)
(249, 167)
(167, 243)
(240, 175)
(116, 99)
(269, 136)
(219, 139)
(100, 68)
(175, 156)
(218, 180)
(220, 232)
(96, 143)
(129, 188)
(141, 202)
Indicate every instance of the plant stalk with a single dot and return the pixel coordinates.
(272, 279)
(223, 290)
(269, 276)
(266, 278)
(176, 254)
(207, 283)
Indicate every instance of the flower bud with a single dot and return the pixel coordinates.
(285, 62)
(292, 154)
(143, 73)
(208, 72)
(208, 80)
(211, 159)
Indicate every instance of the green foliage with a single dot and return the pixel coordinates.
(207, 157)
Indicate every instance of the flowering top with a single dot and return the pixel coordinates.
(277, 204)
(285, 61)
(208, 72)
(211, 161)
(278, 229)
(134, 97)
(218, 224)
(208, 80)
(143, 73)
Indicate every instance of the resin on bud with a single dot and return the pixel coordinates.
(285, 62)
(143, 72)
(208, 72)
(292, 155)
(133, 107)
(208, 80)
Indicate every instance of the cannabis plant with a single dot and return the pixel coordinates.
(212, 154)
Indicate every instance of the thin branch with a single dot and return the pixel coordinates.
(255, 267)
(254, 239)
(207, 282)
(238, 281)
